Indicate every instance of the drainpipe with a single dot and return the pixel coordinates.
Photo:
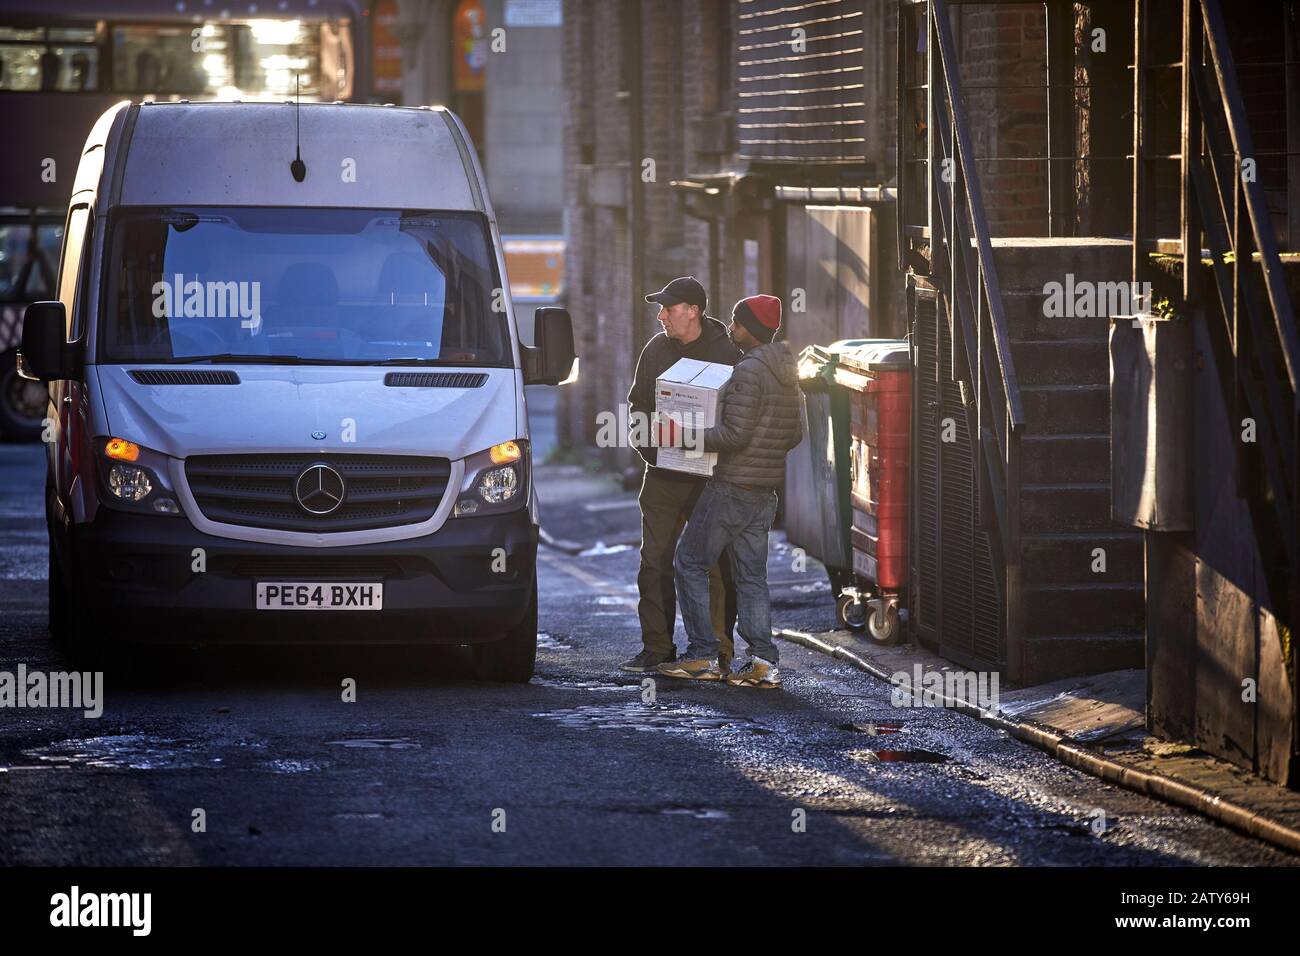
(636, 153)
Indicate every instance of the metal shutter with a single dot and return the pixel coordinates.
(807, 104)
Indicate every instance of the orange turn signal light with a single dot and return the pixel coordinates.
(122, 450)
(505, 452)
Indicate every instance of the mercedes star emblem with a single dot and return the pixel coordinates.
(319, 489)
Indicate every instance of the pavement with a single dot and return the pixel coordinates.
(1097, 722)
(583, 765)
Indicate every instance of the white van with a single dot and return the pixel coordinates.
(287, 387)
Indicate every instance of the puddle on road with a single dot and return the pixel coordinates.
(292, 766)
(601, 548)
(873, 728)
(22, 562)
(698, 813)
(124, 752)
(562, 684)
(549, 642)
(373, 743)
(898, 756)
(814, 588)
(651, 717)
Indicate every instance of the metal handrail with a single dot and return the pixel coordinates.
(1261, 226)
(1222, 192)
(975, 303)
(988, 276)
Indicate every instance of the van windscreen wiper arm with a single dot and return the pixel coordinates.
(238, 357)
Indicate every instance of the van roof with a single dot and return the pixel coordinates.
(357, 155)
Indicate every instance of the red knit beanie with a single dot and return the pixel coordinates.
(760, 315)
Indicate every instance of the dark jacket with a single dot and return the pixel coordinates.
(758, 418)
(659, 355)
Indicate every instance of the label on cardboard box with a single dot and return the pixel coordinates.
(687, 395)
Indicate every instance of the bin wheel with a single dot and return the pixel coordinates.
(850, 612)
(840, 578)
(883, 627)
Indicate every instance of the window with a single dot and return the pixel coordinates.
(29, 258)
(78, 231)
(316, 286)
(63, 59)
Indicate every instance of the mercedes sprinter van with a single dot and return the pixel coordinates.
(287, 387)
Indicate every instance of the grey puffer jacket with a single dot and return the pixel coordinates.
(758, 418)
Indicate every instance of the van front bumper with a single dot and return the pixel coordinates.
(136, 574)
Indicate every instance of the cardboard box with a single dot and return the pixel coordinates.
(687, 394)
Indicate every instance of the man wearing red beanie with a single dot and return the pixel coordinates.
(758, 422)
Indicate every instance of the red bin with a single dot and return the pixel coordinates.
(878, 379)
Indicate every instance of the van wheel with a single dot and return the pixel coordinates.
(510, 659)
(22, 403)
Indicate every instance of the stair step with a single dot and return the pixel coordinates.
(1062, 361)
(1068, 559)
(1053, 657)
(1056, 409)
(1026, 318)
(1057, 508)
(1027, 264)
(1064, 459)
(1084, 608)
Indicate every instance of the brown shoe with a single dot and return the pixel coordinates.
(700, 668)
(757, 673)
(645, 662)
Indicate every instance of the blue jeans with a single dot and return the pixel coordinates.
(727, 518)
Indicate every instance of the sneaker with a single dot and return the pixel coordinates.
(699, 668)
(757, 673)
(646, 661)
(724, 665)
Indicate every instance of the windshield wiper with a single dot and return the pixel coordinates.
(237, 357)
(405, 361)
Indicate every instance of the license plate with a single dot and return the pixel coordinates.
(312, 596)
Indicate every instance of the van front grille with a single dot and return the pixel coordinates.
(315, 567)
(258, 491)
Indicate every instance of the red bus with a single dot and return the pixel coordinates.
(63, 62)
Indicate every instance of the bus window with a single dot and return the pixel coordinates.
(257, 59)
(27, 267)
(60, 59)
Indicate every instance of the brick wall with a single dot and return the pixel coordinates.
(1004, 46)
(686, 59)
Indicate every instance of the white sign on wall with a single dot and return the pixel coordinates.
(534, 13)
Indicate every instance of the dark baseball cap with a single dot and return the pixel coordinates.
(682, 289)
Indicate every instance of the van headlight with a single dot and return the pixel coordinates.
(495, 480)
(134, 478)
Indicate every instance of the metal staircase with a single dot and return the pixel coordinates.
(1012, 477)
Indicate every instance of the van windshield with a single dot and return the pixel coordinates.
(311, 286)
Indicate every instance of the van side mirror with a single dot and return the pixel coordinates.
(45, 354)
(552, 359)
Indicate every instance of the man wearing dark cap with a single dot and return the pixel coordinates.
(667, 496)
(758, 422)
